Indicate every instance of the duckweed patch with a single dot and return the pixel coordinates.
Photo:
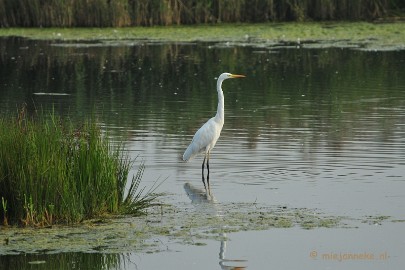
(376, 220)
(184, 224)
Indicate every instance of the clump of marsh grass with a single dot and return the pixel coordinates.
(52, 172)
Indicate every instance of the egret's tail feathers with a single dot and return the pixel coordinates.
(190, 152)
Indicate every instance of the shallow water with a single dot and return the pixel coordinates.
(320, 129)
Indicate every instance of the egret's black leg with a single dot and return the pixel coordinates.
(208, 183)
(208, 164)
(208, 168)
(202, 172)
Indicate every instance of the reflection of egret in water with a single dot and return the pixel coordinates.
(198, 195)
(204, 197)
(223, 262)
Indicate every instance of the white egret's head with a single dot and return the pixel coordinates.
(227, 75)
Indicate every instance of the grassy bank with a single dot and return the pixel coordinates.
(118, 13)
(246, 33)
(52, 172)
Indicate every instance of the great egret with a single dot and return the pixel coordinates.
(206, 137)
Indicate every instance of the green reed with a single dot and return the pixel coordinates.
(52, 172)
(117, 13)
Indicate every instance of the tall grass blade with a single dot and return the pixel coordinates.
(53, 172)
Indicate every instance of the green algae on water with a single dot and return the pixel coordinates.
(184, 224)
(189, 224)
(362, 35)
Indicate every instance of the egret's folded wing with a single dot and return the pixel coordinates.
(202, 138)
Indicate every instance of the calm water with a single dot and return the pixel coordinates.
(310, 128)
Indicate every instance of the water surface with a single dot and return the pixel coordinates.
(320, 129)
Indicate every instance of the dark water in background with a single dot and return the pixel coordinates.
(314, 128)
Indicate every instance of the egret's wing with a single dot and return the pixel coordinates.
(205, 136)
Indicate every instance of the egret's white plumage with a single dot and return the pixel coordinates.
(206, 137)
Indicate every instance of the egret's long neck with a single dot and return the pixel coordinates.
(220, 116)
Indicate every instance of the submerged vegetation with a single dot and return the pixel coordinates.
(118, 13)
(52, 172)
(191, 224)
(183, 223)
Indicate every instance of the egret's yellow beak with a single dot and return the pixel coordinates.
(237, 76)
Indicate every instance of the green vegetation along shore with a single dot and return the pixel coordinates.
(379, 34)
(52, 172)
